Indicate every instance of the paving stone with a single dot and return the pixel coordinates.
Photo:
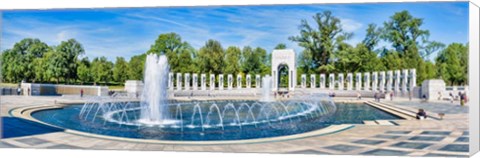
(64, 146)
(369, 142)
(455, 148)
(6, 145)
(309, 151)
(343, 148)
(443, 155)
(387, 136)
(426, 138)
(32, 141)
(385, 152)
(398, 132)
(462, 139)
(436, 132)
(411, 145)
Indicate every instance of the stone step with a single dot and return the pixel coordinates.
(370, 123)
(384, 122)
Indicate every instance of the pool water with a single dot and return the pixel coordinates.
(68, 118)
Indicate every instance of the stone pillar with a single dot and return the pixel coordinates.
(258, 81)
(220, 82)
(404, 81)
(230, 81)
(366, 81)
(304, 81)
(322, 81)
(170, 81)
(413, 79)
(203, 79)
(239, 81)
(397, 81)
(212, 81)
(389, 81)
(349, 81)
(358, 81)
(195, 81)
(179, 81)
(374, 81)
(331, 81)
(382, 81)
(187, 81)
(313, 83)
(249, 81)
(341, 82)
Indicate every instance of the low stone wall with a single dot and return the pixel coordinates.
(58, 89)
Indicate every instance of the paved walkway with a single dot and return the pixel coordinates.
(448, 137)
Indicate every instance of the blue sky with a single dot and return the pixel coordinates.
(130, 31)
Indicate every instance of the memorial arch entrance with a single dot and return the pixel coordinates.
(284, 68)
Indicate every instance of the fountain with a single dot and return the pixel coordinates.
(154, 97)
(266, 89)
(155, 113)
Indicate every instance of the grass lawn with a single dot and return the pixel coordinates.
(13, 85)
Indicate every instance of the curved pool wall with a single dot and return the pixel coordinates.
(346, 113)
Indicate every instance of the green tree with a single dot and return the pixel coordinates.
(232, 60)
(372, 37)
(84, 73)
(136, 67)
(101, 70)
(405, 33)
(320, 42)
(211, 57)
(69, 51)
(450, 65)
(120, 70)
(25, 52)
(281, 46)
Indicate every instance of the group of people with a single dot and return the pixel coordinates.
(19, 91)
(462, 96)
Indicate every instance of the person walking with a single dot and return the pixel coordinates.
(81, 93)
(19, 91)
(391, 96)
(462, 99)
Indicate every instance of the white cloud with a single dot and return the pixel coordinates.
(350, 25)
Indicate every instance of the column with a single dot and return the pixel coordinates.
(187, 81)
(358, 81)
(258, 81)
(341, 82)
(304, 81)
(322, 81)
(179, 81)
(170, 81)
(389, 81)
(331, 81)
(366, 81)
(230, 81)
(239, 81)
(203, 79)
(382, 81)
(313, 83)
(220, 81)
(374, 81)
(195, 81)
(212, 81)
(397, 81)
(249, 81)
(404, 81)
(413, 79)
(349, 81)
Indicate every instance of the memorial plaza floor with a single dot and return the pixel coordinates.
(431, 137)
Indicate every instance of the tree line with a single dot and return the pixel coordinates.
(324, 51)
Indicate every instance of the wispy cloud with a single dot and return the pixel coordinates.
(128, 32)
